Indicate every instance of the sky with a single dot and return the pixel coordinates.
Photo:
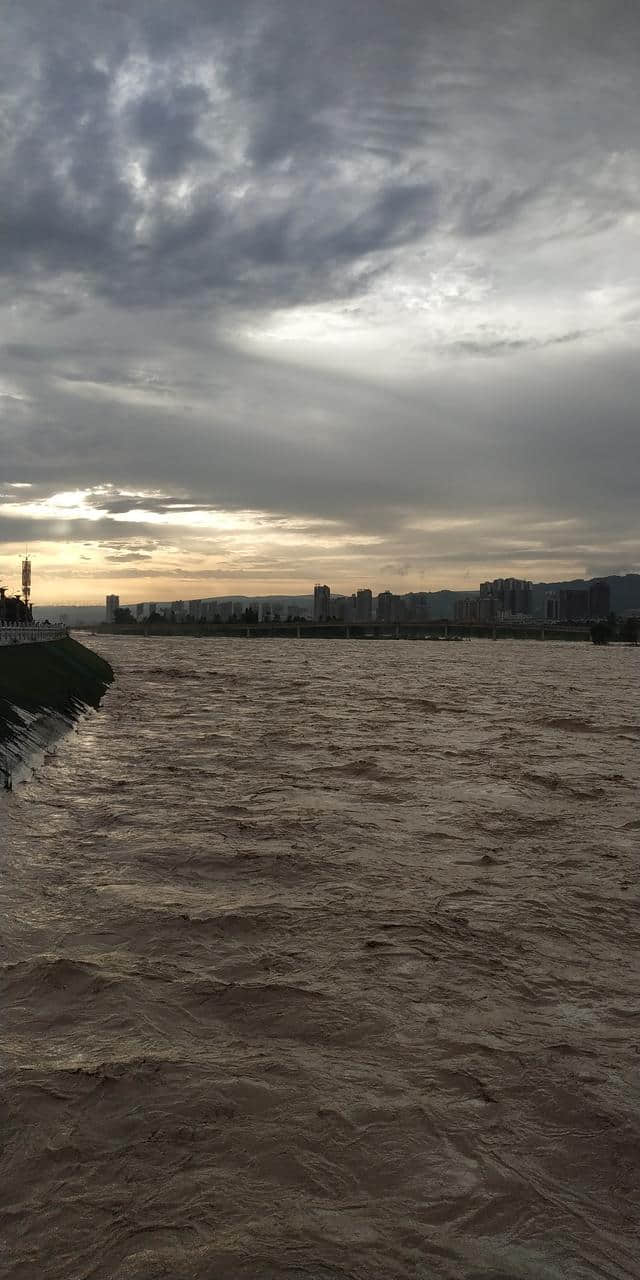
(343, 291)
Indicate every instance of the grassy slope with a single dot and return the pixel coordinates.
(57, 674)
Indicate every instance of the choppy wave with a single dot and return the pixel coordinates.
(312, 969)
(33, 736)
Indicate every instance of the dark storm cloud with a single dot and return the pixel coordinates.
(166, 126)
(173, 175)
(269, 112)
(234, 104)
(509, 346)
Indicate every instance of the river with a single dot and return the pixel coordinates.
(322, 959)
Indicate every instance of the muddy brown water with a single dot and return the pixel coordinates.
(321, 959)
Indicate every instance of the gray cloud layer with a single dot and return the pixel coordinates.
(448, 181)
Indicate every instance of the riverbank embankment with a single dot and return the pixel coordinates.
(40, 681)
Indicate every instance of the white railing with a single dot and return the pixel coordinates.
(17, 633)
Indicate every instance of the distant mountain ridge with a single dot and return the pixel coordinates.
(625, 594)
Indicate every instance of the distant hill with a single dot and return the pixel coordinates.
(71, 614)
(442, 603)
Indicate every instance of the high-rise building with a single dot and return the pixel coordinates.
(112, 603)
(416, 606)
(574, 604)
(510, 596)
(195, 609)
(321, 603)
(599, 599)
(516, 596)
(391, 608)
(551, 606)
(489, 606)
(177, 609)
(495, 588)
(384, 606)
(350, 608)
(466, 610)
(364, 605)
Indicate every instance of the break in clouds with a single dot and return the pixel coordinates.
(337, 290)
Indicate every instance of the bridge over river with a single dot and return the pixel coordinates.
(438, 629)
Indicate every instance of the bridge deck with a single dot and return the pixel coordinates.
(431, 629)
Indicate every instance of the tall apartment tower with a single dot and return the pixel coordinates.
(349, 608)
(574, 604)
(364, 605)
(552, 606)
(510, 595)
(599, 599)
(321, 603)
(112, 603)
(384, 606)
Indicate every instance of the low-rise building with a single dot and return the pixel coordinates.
(13, 609)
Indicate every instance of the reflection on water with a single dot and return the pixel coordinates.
(321, 959)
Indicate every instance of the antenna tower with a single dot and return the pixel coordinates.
(26, 579)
